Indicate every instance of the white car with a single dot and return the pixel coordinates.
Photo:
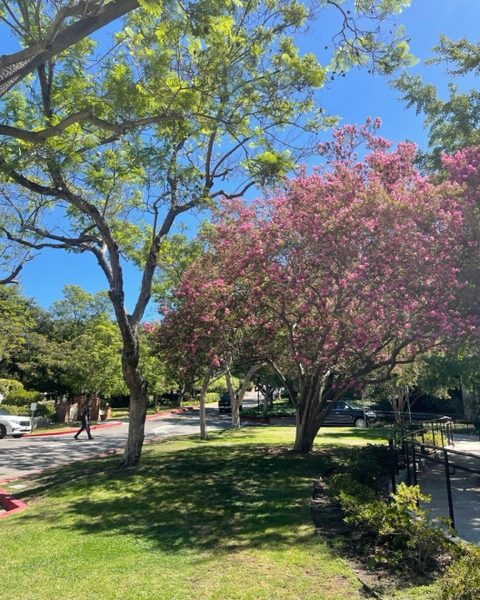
(13, 425)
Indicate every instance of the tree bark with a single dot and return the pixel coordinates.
(15, 67)
(137, 387)
(312, 408)
(203, 412)
(265, 404)
(237, 399)
(233, 401)
(181, 394)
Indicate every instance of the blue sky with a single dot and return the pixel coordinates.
(354, 97)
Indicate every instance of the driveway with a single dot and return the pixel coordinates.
(24, 456)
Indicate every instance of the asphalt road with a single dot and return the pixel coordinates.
(27, 455)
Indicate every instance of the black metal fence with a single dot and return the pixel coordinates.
(410, 447)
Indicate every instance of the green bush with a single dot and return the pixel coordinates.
(16, 410)
(7, 386)
(212, 397)
(22, 397)
(368, 465)
(280, 408)
(398, 534)
(401, 532)
(220, 385)
(462, 580)
(44, 409)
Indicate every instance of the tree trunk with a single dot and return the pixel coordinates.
(305, 435)
(203, 412)
(265, 405)
(181, 394)
(137, 387)
(234, 403)
(312, 408)
(236, 400)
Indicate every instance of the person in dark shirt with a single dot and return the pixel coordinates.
(86, 417)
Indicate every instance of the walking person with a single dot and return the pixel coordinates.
(86, 417)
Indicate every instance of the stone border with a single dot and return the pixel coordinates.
(10, 504)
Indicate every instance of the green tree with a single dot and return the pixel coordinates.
(73, 348)
(194, 102)
(176, 255)
(453, 123)
(17, 321)
(48, 27)
(78, 308)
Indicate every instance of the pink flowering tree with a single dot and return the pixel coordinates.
(206, 332)
(352, 271)
(199, 336)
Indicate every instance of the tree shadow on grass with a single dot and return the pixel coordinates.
(204, 498)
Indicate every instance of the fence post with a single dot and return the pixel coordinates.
(414, 464)
(407, 462)
(449, 488)
(393, 460)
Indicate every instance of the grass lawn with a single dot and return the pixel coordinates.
(225, 519)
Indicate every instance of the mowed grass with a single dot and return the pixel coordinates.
(224, 519)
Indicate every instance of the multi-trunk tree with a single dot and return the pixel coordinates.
(352, 271)
(101, 154)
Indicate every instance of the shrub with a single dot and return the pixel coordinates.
(462, 580)
(280, 408)
(220, 385)
(425, 540)
(44, 409)
(7, 386)
(400, 533)
(21, 397)
(16, 410)
(370, 465)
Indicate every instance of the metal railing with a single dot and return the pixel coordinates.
(408, 450)
(439, 429)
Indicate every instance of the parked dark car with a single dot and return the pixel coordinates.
(348, 413)
(224, 404)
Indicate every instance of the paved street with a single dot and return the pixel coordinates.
(28, 455)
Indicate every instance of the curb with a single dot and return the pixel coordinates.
(110, 423)
(110, 452)
(74, 430)
(10, 504)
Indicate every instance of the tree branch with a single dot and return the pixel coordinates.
(15, 67)
(11, 278)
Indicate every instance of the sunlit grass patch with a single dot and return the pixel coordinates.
(228, 518)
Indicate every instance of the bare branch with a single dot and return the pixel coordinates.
(11, 278)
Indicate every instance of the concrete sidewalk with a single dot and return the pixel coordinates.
(465, 489)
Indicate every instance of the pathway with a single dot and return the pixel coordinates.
(465, 489)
